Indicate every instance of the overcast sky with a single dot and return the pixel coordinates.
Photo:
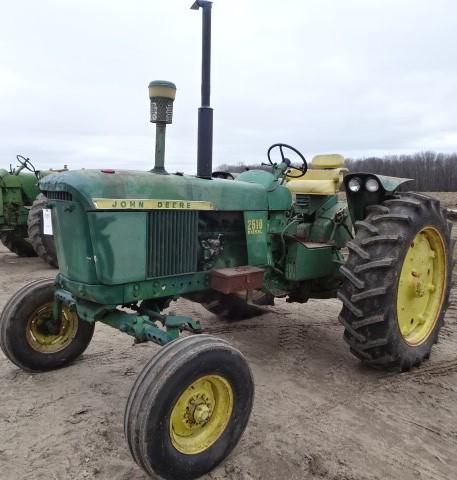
(357, 77)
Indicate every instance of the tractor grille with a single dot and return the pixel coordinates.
(173, 241)
(302, 201)
(59, 196)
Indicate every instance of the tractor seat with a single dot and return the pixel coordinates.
(324, 177)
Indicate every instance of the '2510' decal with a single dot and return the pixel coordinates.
(255, 226)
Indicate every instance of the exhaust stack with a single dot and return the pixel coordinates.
(205, 112)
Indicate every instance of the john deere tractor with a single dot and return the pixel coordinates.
(128, 243)
(21, 212)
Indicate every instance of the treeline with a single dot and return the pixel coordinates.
(432, 172)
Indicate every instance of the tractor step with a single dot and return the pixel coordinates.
(317, 244)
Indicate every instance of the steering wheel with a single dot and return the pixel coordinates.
(285, 160)
(25, 163)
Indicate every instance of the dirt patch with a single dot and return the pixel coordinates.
(318, 414)
(447, 199)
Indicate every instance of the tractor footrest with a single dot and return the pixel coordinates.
(236, 279)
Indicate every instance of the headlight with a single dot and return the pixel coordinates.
(355, 184)
(372, 185)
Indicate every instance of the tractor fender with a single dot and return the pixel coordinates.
(390, 184)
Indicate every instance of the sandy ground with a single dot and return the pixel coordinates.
(318, 412)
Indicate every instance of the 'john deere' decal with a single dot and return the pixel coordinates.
(150, 204)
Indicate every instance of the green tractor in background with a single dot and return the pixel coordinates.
(21, 212)
(129, 243)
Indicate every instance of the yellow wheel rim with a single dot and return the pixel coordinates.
(201, 414)
(421, 287)
(44, 336)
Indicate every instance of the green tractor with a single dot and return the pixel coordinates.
(21, 212)
(128, 243)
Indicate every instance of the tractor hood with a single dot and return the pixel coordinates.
(133, 190)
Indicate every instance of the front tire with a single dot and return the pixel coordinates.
(31, 339)
(188, 408)
(397, 281)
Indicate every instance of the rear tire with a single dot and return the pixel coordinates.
(29, 337)
(43, 244)
(17, 244)
(188, 408)
(397, 282)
